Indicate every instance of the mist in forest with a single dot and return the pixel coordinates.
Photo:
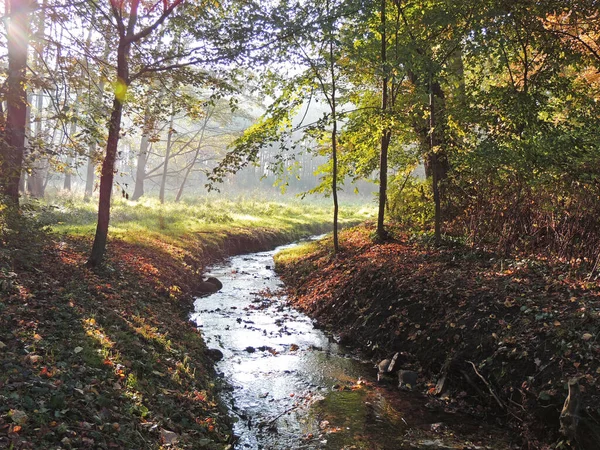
(189, 148)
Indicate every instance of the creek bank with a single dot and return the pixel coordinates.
(108, 358)
(502, 337)
(292, 387)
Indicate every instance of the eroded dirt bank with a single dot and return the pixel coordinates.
(108, 358)
(506, 335)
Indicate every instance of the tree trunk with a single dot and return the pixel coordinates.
(435, 165)
(163, 181)
(386, 135)
(35, 177)
(187, 172)
(108, 165)
(38, 179)
(334, 162)
(2, 128)
(90, 173)
(67, 181)
(127, 36)
(12, 151)
(140, 174)
(68, 172)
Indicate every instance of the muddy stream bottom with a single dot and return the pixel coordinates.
(292, 387)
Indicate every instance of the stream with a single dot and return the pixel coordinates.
(290, 386)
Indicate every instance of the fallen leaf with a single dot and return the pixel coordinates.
(77, 349)
(587, 336)
(18, 416)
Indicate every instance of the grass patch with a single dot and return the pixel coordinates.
(291, 255)
(172, 222)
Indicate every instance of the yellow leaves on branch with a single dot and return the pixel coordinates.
(120, 90)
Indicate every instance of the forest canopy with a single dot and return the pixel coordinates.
(477, 120)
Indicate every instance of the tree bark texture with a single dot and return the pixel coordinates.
(386, 135)
(108, 165)
(436, 159)
(11, 158)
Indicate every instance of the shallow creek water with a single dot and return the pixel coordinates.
(293, 387)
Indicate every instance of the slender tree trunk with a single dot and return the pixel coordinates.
(386, 135)
(140, 173)
(163, 181)
(68, 172)
(2, 126)
(26, 150)
(67, 180)
(23, 179)
(334, 161)
(435, 166)
(90, 172)
(108, 165)
(35, 180)
(127, 36)
(37, 160)
(12, 151)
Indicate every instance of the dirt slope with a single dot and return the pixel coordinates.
(508, 335)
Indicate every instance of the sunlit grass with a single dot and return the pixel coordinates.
(296, 252)
(147, 218)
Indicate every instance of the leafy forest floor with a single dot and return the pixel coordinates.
(108, 358)
(507, 335)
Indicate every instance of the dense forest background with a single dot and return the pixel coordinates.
(496, 101)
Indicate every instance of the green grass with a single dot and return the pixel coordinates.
(147, 218)
(296, 252)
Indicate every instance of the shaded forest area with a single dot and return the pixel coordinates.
(495, 103)
(509, 340)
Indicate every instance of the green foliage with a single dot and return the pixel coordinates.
(410, 201)
(273, 128)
